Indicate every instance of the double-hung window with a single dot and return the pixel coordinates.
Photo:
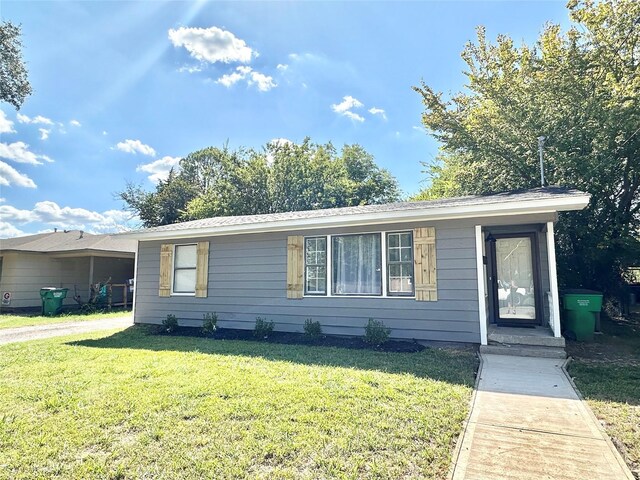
(184, 269)
(369, 264)
(400, 264)
(315, 254)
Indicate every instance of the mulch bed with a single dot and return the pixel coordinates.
(298, 339)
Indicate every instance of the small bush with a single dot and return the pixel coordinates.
(312, 330)
(375, 333)
(263, 328)
(170, 323)
(210, 323)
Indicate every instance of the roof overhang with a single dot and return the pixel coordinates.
(75, 253)
(429, 213)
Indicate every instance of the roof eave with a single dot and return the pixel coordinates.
(535, 206)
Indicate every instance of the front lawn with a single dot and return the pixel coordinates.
(607, 372)
(133, 405)
(29, 320)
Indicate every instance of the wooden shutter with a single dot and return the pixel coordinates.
(295, 266)
(202, 269)
(166, 265)
(424, 255)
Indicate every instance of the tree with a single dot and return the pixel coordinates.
(580, 90)
(283, 177)
(14, 84)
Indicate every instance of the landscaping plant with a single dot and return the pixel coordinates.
(312, 330)
(375, 332)
(263, 328)
(170, 323)
(210, 323)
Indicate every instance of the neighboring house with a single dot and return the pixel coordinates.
(442, 270)
(65, 259)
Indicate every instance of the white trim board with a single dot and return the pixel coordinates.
(428, 213)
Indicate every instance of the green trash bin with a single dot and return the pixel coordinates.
(52, 299)
(581, 308)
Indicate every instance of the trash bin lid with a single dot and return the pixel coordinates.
(581, 291)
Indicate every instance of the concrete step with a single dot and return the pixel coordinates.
(511, 336)
(524, 351)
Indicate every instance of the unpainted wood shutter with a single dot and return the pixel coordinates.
(424, 255)
(295, 266)
(166, 264)
(202, 269)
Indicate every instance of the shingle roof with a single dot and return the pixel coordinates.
(499, 198)
(69, 241)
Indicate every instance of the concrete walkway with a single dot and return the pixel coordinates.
(527, 422)
(36, 332)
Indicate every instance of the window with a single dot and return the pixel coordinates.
(357, 264)
(184, 269)
(315, 261)
(400, 264)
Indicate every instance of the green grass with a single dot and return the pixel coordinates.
(132, 405)
(12, 321)
(607, 372)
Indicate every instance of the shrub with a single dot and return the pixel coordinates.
(375, 333)
(170, 323)
(263, 328)
(312, 330)
(210, 323)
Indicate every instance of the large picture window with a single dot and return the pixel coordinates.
(184, 269)
(315, 277)
(356, 264)
(400, 264)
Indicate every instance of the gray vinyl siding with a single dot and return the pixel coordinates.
(247, 279)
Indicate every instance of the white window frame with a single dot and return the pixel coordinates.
(383, 247)
(173, 271)
(326, 269)
(412, 261)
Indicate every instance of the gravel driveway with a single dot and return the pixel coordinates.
(36, 332)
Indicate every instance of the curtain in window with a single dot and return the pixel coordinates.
(357, 265)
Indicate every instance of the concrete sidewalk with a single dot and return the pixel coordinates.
(36, 332)
(527, 422)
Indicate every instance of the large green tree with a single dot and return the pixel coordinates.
(14, 84)
(579, 89)
(281, 177)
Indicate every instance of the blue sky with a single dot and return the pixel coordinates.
(122, 90)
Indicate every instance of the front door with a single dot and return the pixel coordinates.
(514, 280)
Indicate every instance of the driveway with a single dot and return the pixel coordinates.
(36, 332)
(528, 422)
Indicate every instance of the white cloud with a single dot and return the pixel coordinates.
(37, 119)
(135, 146)
(159, 169)
(44, 133)
(344, 108)
(75, 123)
(264, 83)
(7, 230)
(19, 152)
(51, 213)
(6, 125)
(419, 129)
(353, 116)
(10, 176)
(282, 67)
(211, 44)
(378, 111)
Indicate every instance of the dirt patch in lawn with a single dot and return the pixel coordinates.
(290, 338)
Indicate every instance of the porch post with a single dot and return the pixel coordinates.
(553, 281)
(482, 305)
